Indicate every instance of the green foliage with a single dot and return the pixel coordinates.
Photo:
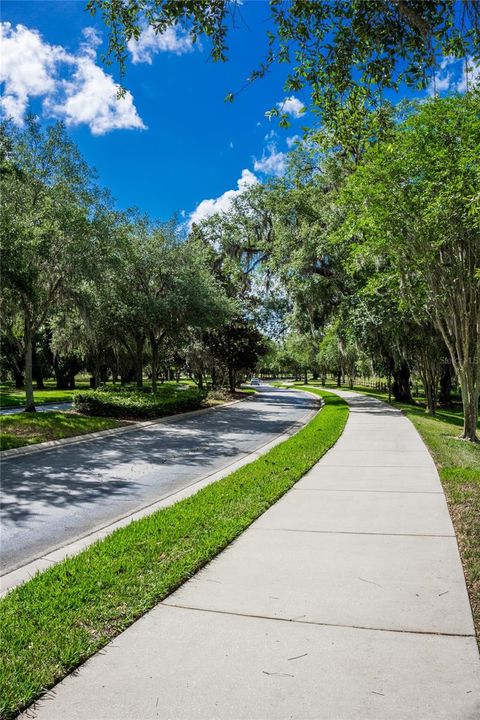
(62, 616)
(413, 205)
(337, 50)
(138, 405)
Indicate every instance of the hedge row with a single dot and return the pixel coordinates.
(137, 405)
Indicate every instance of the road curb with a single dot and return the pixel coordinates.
(49, 444)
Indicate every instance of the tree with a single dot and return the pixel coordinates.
(238, 346)
(167, 289)
(46, 201)
(415, 200)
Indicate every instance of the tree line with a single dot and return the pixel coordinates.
(87, 287)
(363, 259)
(372, 250)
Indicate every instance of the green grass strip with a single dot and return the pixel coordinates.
(62, 616)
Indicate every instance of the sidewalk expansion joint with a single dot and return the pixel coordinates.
(350, 532)
(297, 621)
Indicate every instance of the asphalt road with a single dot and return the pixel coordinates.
(40, 408)
(53, 497)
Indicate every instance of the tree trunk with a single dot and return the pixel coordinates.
(154, 347)
(139, 344)
(401, 384)
(306, 377)
(339, 378)
(95, 379)
(19, 379)
(470, 393)
(39, 379)
(445, 397)
(29, 401)
(430, 397)
(429, 375)
(231, 379)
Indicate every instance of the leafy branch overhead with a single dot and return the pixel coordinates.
(330, 47)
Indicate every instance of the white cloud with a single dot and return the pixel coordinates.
(73, 87)
(443, 79)
(210, 207)
(90, 97)
(28, 68)
(272, 162)
(150, 43)
(291, 141)
(270, 135)
(454, 74)
(470, 76)
(292, 105)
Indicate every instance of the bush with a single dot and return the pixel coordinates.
(137, 404)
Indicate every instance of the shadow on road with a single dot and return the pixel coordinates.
(122, 466)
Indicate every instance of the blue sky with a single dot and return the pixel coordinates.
(193, 146)
(173, 145)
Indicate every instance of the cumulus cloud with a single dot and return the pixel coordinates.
(443, 79)
(292, 105)
(173, 39)
(272, 162)
(73, 87)
(454, 74)
(28, 68)
(210, 207)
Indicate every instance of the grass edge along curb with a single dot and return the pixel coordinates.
(62, 616)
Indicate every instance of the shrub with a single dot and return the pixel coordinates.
(137, 404)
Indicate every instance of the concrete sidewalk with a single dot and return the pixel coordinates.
(345, 601)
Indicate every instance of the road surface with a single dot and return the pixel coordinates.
(56, 496)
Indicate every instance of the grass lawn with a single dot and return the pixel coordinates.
(62, 616)
(458, 464)
(11, 397)
(32, 428)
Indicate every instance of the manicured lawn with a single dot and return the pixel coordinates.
(11, 397)
(32, 428)
(62, 616)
